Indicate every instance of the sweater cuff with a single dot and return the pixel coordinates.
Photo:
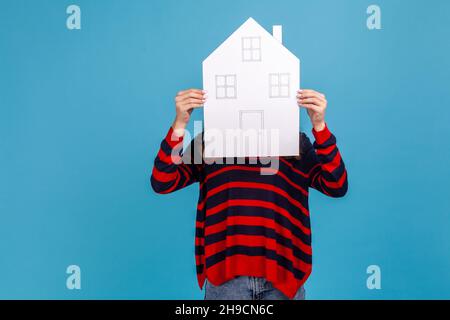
(172, 138)
(321, 136)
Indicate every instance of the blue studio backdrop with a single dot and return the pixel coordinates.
(83, 111)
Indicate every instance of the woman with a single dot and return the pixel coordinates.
(253, 236)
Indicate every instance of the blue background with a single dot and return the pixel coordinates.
(82, 114)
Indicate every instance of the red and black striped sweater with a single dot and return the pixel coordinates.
(250, 223)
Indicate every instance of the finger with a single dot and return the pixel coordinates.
(183, 92)
(311, 94)
(189, 101)
(189, 90)
(309, 91)
(190, 95)
(310, 106)
(306, 91)
(316, 101)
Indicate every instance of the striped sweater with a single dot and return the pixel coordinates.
(250, 223)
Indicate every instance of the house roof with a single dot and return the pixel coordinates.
(252, 22)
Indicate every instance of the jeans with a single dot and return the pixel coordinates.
(247, 288)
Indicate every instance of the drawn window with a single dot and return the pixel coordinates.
(251, 49)
(279, 85)
(226, 86)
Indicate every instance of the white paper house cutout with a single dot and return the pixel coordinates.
(252, 82)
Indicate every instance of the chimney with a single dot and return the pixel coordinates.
(277, 32)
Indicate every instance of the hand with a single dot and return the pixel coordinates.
(315, 104)
(185, 102)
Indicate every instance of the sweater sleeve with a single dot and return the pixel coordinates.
(172, 169)
(327, 169)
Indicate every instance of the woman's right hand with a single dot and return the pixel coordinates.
(185, 102)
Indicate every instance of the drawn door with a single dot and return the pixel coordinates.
(251, 124)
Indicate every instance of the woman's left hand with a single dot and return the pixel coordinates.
(315, 104)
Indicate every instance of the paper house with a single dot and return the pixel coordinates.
(252, 82)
